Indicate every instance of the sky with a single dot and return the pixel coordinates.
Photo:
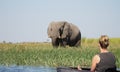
(27, 20)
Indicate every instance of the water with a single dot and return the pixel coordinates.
(26, 69)
(15, 68)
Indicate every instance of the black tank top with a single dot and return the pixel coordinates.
(107, 60)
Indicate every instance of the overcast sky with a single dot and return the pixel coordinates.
(27, 20)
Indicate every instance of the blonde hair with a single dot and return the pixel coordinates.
(104, 41)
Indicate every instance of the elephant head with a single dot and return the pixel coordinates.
(59, 30)
(65, 30)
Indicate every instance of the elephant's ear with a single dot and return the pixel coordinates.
(66, 30)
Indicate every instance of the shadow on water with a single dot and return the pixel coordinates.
(15, 68)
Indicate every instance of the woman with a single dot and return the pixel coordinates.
(105, 60)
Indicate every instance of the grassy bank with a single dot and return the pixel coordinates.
(43, 54)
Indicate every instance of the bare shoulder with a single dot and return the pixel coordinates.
(96, 59)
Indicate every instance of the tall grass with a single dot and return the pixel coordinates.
(43, 54)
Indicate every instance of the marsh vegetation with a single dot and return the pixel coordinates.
(43, 54)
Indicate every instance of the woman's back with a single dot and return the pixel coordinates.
(107, 61)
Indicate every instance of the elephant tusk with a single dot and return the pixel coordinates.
(59, 37)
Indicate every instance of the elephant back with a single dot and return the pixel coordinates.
(75, 31)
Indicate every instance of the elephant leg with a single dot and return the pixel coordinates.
(74, 43)
(60, 42)
(63, 42)
(78, 43)
(55, 42)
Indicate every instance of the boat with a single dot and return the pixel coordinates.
(74, 69)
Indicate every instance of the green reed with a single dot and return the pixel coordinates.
(43, 54)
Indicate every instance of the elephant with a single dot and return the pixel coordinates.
(63, 33)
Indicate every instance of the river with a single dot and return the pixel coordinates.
(15, 68)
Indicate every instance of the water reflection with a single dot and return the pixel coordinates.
(26, 69)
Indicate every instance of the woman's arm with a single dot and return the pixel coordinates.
(95, 60)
